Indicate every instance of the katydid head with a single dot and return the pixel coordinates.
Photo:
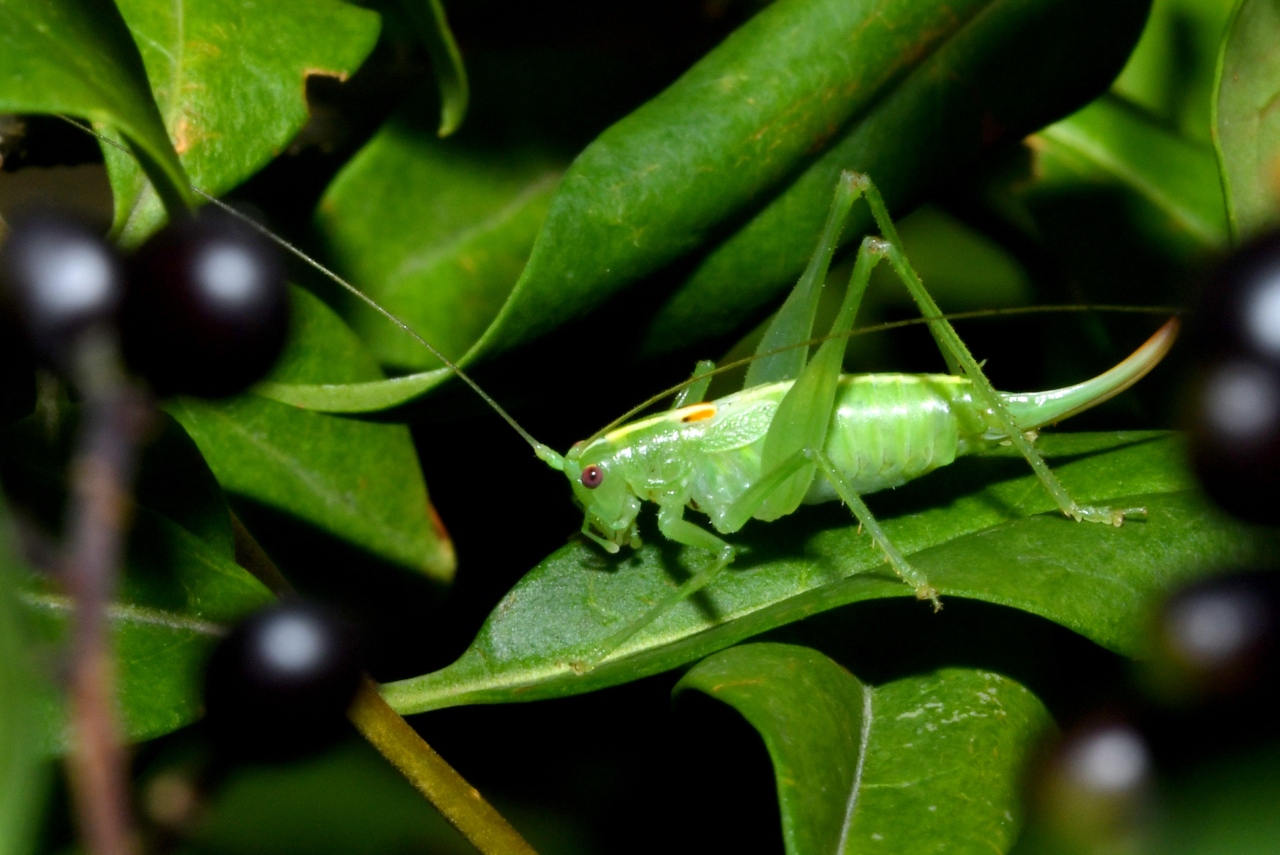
(607, 500)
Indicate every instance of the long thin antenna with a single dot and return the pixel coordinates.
(544, 452)
(538, 447)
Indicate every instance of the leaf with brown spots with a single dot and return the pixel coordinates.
(230, 79)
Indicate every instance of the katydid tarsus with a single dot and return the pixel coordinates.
(802, 432)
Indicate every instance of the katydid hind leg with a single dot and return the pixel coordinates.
(811, 459)
(743, 509)
(778, 357)
(956, 352)
(804, 414)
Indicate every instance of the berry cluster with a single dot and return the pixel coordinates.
(200, 309)
(1235, 399)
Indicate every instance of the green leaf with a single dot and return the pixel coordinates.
(75, 57)
(22, 775)
(1247, 118)
(436, 233)
(432, 26)
(230, 77)
(358, 480)
(916, 765)
(1174, 180)
(1128, 207)
(368, 397)
(657, 184)
(995, 79)
(179, 588)
(1171, 71)
(982, 528)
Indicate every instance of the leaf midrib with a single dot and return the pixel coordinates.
(855, 789)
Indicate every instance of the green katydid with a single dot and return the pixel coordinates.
(800, 431)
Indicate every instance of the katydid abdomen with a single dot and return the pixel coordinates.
(888, 429)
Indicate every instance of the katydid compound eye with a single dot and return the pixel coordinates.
(592, 476)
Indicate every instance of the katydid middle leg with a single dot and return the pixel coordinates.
(810, 458)
(956, 352)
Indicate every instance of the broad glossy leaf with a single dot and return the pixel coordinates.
(358, 480)
(180, 584)
(995, 79)
(230, 79)
(1126, 206)
(76, 57)
(982, 528)
(927, 763)
(717, 142)
(1247, 117)
(22, 777)
(368, 397)
(657, 184)
(435, 232)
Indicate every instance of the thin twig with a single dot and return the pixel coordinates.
(100, 505)
(459, 802)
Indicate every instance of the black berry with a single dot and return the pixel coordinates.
(1234, 407)
(1221, 637)
(1213, 669)
(1239, 311)
(1093, 785)
(1235, 436)
(278, 685)
(58, 278)
(207, 309)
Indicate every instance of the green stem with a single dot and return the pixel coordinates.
(459, 802)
